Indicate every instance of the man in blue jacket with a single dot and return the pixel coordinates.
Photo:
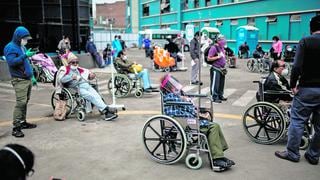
(92, 49)
(22, 77)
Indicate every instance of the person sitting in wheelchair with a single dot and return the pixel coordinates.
(276, 81)
(127, 66)
(73, 76)
(259, 53)
(172, 91)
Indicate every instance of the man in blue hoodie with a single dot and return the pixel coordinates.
(21, 71)
(92, 49)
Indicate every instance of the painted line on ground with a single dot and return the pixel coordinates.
(188, 88)
(245, 98)
(228, 92)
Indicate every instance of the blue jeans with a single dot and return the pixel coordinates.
(144, 74)
(91, 95)
(305, 102)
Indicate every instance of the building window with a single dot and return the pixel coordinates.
(295, 17)
(219, 23)
(272, 19)
(184, 25)
(234, 1)
(145, 10)
(165, 26)
(185, 4)
(207, 2)
(196, 4)
(234, 22)
(251, 21)
(196, 24)
(165, 6)
(220, 2)
(206, 24)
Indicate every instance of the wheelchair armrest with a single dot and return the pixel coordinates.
(170, 103)
(195, 95)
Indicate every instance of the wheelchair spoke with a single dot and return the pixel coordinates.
(265, 130)
(253, 125)
(152, 139)
(157, 146)
(164, 150)
(154, 130)
(258, 132)
(257, 113)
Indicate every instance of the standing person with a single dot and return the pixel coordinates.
(92, 49)
(305, 84)
(116, 46)
(16, 162)
(277, 48)
(64, 44)
(123, 43)
(22, 77)
(147, 46)
(195, 55)
(217, 71)
(107, 54)
(244, 50)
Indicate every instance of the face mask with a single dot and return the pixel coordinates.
(125, 58)
(222, 42)
(91, 40)
(284, 72)
(289, 49)
(73, 67)
(24, 42)
(225, 46)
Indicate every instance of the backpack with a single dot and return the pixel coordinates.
(206, 52)
(60, 110)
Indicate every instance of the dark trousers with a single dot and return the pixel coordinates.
(96, 56)
(217, 80)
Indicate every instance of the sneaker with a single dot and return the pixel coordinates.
(26, 125)
(16, 132)
(223, 98)
(310, 159)
(220, 162)
(110, 116)
(229, 161)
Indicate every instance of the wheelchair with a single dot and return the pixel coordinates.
(258, 65)
(267, 123)
(125, 82)
(75, 104)
(169, 139)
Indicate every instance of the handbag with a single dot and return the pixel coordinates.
(60, 110)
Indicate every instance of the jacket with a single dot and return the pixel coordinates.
(19, 64)
(194, 49)
(123, 65)
(90, 47)
(275, 82)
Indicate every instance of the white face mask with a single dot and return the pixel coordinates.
(289, 49)
(24, 42)
(284, 72)
(125, 57)
(73, 67)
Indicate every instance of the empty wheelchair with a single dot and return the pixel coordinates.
(168, 139)
(124, 83)
(267, 123)
(75, 104)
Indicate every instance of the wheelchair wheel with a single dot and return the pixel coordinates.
(167, 69)
(138, 93)
(193, 161)
(304, 143)
(164, 139)
(122, 85)
(251, 65)
(264, 123)
(64, 95)
(81, 115)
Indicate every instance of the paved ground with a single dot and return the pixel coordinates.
(96, 149)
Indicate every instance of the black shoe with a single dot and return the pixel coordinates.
(110, 116)
(285, 155)
(229, 161)
(216, 100)
(223, 98)
(16, 132)
(310, 159)
(220, 162)
(26, 125)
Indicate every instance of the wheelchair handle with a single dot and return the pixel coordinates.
(170, 103)
(195, 95)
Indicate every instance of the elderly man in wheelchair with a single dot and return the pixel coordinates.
(177, 104)
(267, 120)
(77, 78)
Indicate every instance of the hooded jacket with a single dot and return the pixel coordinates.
(19, 64)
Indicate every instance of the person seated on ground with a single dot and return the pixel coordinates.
(173, 49)
(259, 53)
(16, 162)
(107, 53)
(244, 50)
(172, 91)
(276, 81)
(289, 54)
(127, 66)
(92, 49)
(73, 76)
(230, 55)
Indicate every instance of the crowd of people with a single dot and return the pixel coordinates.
(304, 84)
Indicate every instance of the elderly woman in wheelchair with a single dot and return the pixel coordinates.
(266, 121)
(181, 129)
(75, 83)
(129, 77)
